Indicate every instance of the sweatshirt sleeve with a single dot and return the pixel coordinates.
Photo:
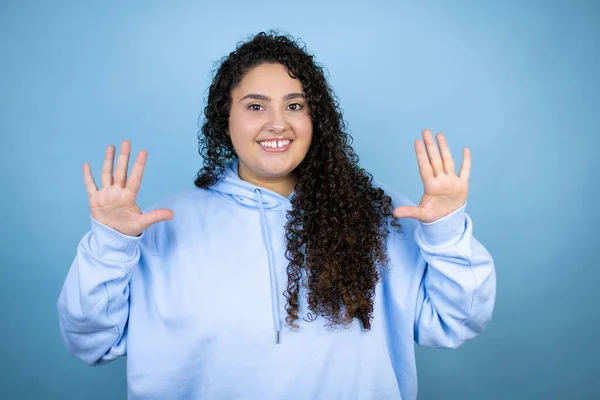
(93, 305)
(457, 292)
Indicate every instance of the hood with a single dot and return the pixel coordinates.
(231, 185)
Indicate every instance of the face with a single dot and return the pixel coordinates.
(269, 126)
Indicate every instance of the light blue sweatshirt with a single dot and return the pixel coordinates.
(197, 303)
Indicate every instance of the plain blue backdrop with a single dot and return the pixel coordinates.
(517, 82)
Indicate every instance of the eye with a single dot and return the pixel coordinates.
(254, 107)
(296, 106)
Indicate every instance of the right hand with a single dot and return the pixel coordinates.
(114, 205)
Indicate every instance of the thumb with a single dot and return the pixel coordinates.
(154, 216)
(408, 212)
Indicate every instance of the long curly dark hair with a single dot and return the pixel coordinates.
(338, 223)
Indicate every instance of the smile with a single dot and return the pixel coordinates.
(275, 145)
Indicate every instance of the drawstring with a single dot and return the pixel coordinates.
(274, 290)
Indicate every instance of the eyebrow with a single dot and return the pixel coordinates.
(266, 98)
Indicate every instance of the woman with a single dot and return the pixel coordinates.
(286, 273)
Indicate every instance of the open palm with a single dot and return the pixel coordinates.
(444, 191)
(115, 204)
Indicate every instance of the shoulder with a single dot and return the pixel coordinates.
(180, 200)
(185, 205)
(408, 225)
(398, 198)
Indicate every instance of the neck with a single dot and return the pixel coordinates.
(281, 185)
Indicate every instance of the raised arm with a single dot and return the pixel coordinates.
(93, 305)
(457, 291)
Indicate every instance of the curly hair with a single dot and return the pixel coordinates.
(338, 224)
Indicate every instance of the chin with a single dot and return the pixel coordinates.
(278, 169)
(277, 173)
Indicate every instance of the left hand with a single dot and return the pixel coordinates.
(445, 192)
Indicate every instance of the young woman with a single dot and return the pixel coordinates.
(286, 273)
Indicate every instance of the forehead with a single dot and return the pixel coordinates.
(268, 78)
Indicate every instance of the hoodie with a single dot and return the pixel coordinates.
(197, 303)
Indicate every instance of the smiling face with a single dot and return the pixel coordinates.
(270, 127)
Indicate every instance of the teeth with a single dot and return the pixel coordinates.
(275, 143)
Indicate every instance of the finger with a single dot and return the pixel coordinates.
(408, 212)
(135, 178)
(154, 216)
(433, 153)
(423, 161)
(122, 163)
(449, 167)
(90, 184)
(107, 167)
(465, 169)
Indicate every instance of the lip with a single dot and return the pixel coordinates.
(274, 149)
(275, 138)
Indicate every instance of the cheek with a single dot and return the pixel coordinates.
(243, 128)
(303, 128)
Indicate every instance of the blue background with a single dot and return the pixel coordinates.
(517, 83)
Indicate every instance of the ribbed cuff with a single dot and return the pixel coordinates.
(446, 230)
(109, 244)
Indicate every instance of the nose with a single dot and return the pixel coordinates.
(277, 122)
